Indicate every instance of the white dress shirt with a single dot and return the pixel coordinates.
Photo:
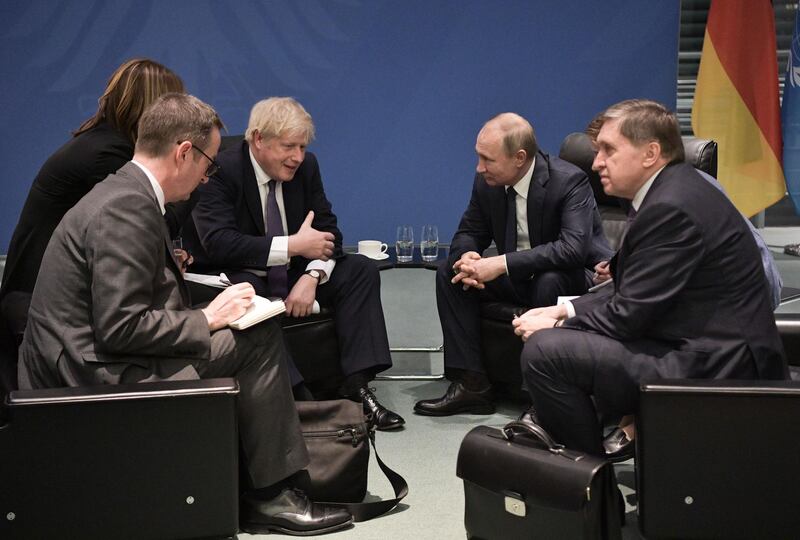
(521, 187)
(279, 249)
(636, 202)
(155, 184)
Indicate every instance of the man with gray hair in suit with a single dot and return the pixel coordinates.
(110, 306)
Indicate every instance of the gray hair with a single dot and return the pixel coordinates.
(643, 121)
(174, 118)
(517, 132)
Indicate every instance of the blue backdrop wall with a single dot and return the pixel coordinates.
(398, 90)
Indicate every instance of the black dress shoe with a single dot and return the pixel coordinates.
(383, 418)
(291, 513)
(618, 446)
(457, 400)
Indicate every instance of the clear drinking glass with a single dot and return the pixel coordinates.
(429, 243)
(405, 243)
(177, 246)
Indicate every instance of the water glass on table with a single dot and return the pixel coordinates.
(429, 243)
(405, 243)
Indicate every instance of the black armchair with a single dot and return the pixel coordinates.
(718, 459)
(145, 461)
(577, 149)
(311, 341)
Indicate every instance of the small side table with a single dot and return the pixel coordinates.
(392, 263)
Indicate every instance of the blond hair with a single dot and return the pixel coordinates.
(275, 116)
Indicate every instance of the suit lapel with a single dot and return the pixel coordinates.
(252, 196)
(173, 266)
(536, 195)
(618, 261)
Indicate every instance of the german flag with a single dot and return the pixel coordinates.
(736, 102)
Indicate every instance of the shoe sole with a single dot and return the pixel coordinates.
(466, 410)
(390, 428)
(255, 528)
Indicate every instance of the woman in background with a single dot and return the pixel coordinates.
(100, 146)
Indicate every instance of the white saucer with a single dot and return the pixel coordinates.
(380, 257)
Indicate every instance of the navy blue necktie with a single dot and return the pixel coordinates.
(277, 278)
(511, 220)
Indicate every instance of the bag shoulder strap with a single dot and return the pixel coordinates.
(364, 511)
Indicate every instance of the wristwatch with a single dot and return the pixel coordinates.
(316, 274)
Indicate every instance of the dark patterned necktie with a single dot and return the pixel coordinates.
(277, 278)
(511, 220)
(631, 215)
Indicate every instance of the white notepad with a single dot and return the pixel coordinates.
(260, 310)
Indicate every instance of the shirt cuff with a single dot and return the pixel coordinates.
(570, 309)
(505, 263)
(278, 251)
(325, 266)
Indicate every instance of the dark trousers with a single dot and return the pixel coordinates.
(270, 440)
(459, 310)
(564, 369)
(269, 428)
(354, 294)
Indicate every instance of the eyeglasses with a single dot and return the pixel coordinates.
(213, 167)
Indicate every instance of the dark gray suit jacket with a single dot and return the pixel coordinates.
(688, 276)
(109, 295)
(563, 223)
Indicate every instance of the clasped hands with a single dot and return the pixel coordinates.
(537, 319)
(472, 270)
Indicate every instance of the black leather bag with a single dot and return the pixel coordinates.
(336, 434)
(518, 483)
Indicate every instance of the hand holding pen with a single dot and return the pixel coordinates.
(602, 272)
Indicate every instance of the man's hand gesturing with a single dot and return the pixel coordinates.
(311, 243)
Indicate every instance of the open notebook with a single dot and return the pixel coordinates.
(260, 310)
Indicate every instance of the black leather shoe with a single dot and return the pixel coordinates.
(457, 400)
(291, 513)
(384, 418)
(618, 446)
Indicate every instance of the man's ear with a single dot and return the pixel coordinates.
(652, 153)
(182, 152)
(257, 139)
(520, 156)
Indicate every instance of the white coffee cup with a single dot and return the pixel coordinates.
(372, 248)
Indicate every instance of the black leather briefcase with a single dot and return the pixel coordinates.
(520, 484)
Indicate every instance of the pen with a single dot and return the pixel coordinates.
(598, 286)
